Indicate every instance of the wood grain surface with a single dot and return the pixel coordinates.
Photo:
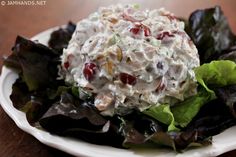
(28, 20)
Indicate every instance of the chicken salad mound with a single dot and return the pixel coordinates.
(130, 58)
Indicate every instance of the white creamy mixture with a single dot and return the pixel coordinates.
(131, 58)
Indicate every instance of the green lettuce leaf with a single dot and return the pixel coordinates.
(185, 111)
(216, 74)
(210, 76)
(163, 114)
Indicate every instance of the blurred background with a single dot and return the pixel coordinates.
(28, 20)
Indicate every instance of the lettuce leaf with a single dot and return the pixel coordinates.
(211, 75)
(163, 114)
(36, 64)
(228, 95)
(229, 56)
(185, 111)
(216, 74)
(60, 38)
(211, 33)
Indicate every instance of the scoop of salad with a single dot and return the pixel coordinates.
(131, 58)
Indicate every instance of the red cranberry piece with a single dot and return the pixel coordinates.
(66, 65)
(89, 71)
(140, 27)
(69, 59)
(147, 31)
(127, 79)
(163, 35)
(135, 30)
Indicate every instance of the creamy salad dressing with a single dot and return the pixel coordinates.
(131, 58)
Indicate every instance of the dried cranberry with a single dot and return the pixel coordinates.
(66, 65)
(163, 35)
(147, 31)
(140, 27)
(127, 79)
(135, 30)
(89, 71)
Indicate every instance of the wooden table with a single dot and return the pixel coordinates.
(28, 20)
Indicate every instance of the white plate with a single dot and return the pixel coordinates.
(223, 142)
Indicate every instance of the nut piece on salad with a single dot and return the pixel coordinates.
(131, 58)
